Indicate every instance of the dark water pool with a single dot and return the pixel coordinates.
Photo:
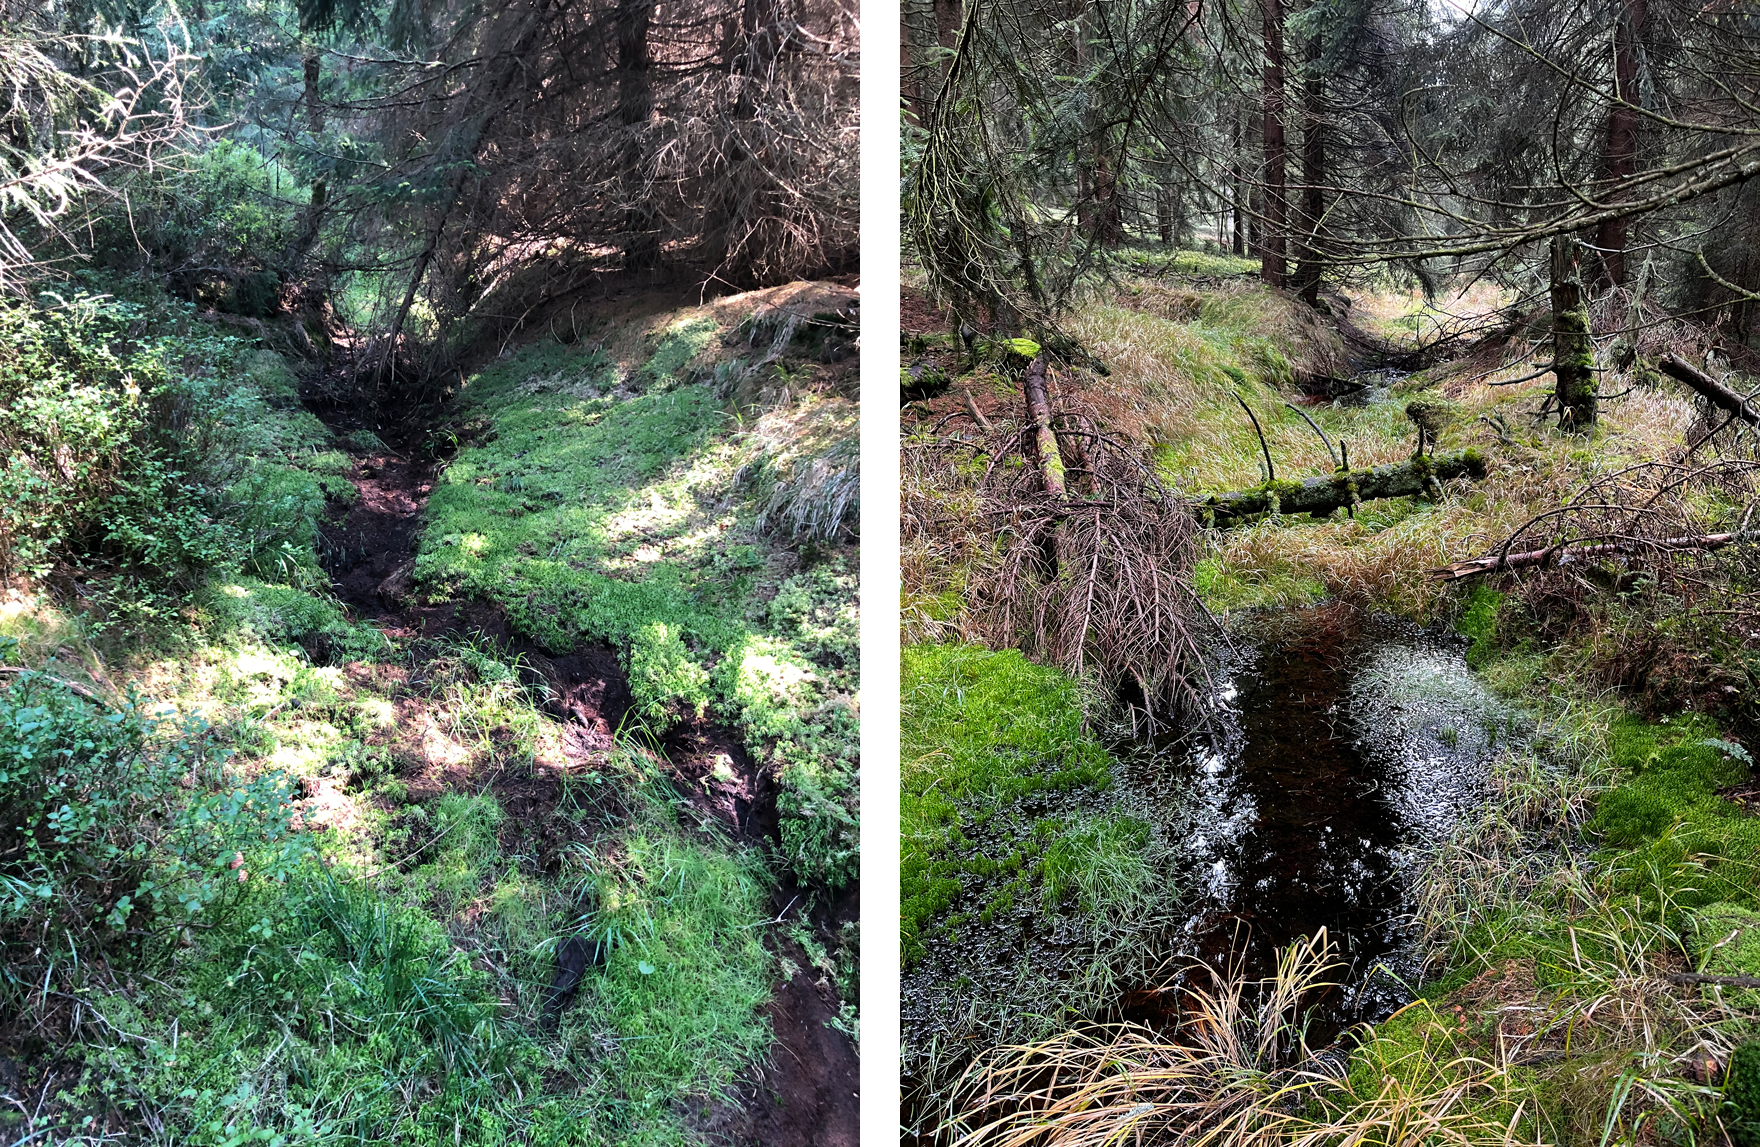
(1343, 743)
(1342, 746)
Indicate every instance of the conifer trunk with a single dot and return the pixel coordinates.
(635, 103)
(1313, 174)
(1572, 353)
(1622, 133)
(1271, 246)
(1238, 181)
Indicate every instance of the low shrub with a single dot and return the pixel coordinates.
(115, 824)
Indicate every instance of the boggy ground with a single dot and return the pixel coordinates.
(1603, 854)
(805, 1092)
(615, 694)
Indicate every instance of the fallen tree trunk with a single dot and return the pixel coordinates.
(1720, 981)
(1564, 555)
(1714, 392)
(1320, 496)
(1039, 433)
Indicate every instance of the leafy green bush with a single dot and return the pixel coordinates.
(99, 832)
(105, 435)
(214, 228)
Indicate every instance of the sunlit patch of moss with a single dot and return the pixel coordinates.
(618, 519)
(675, 349)
(282, 614)
(979, 729)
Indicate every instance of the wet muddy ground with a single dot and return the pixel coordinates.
(1342, 746)
(805, 1095)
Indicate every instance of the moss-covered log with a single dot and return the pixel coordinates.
(1041, 442)
(1320, 496)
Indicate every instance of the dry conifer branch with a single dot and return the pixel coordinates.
(75, 686)
(1097, 582)
(1718, 981)
(1566, 554)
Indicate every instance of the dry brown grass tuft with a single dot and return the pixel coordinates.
(1237, 1072)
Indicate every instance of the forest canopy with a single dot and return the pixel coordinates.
(415, 180)
(1330, 136)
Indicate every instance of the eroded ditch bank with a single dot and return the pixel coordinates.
(806, 1090)
(1343, 747)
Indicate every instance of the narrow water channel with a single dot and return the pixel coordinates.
(1342, 747)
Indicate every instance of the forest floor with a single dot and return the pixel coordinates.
(643, 734)
(1045, 852)
(804, 1092)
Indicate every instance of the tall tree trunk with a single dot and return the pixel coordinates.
(950, 16)
(635, 104)
(1622, 132)
(1572, 353)
(915, 35)
(314, 65)
(1092, 181)
(1255, 198)
(1313, 173)
(1238, 193)
(311, 220)
(1164, 213)
(1276, 222)
(1108, 209)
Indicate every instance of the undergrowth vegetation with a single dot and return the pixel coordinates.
(269, 873)
(1576, 925)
